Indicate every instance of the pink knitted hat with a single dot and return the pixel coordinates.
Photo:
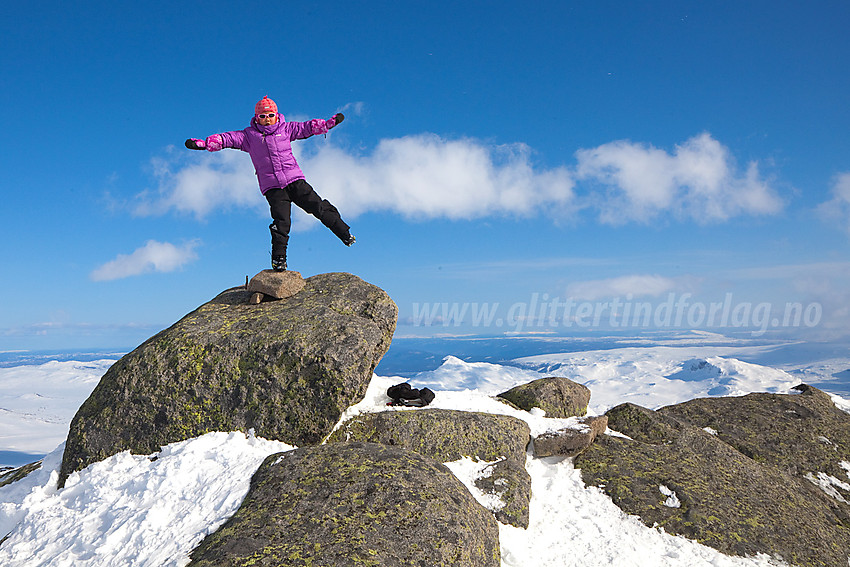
(265, 105)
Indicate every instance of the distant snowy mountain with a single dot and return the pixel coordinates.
(658, 376)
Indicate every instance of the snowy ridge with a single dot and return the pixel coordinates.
(658, 376)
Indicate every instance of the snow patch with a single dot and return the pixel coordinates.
(841, 403)
(130, 509)
(657, 376)
(39, 401)
(484, 377)
(468, 470)
(572, 525)
(376, 398)
(827, 483)
(672, 500)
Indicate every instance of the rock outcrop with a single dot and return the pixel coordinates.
(803, 435)
(449, 435)
(558, 397)
(744, 475)
(347, 504)
(287, 369)
(763, 473)
(508, 480)
(570, 442)
(8, 476)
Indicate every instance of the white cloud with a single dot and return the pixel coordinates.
(419, 177)
(426, 176)
(152, 257)
(838, 208)
(198, 183)
(698, 181)
(637, 285)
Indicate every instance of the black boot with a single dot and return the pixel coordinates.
(279, 263)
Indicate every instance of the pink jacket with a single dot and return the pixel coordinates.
(270, 148)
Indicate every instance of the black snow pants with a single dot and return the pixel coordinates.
(302, 194)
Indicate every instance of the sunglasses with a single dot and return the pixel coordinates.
(269, 115)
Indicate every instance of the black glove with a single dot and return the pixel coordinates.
(192, 144)
(339, 117)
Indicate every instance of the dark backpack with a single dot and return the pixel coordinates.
(406, 395)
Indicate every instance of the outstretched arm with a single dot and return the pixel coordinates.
(317, 126)
(217, 142)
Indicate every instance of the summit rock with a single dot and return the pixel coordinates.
(286, 369)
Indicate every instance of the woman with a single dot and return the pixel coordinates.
(269, 142)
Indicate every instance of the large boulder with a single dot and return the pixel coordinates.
(737, 491)
(287, 369)
(449, 435)
(349, 504)
(557, 396)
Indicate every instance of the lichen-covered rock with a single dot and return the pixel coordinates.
(354, 504)
(510, 482)
(569, 442)
(444, 435)
(712, 492)
(803, 434)
(558, 397)
(287, 369)
(449, 435)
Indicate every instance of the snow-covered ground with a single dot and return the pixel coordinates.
(135, 510)
(37, 403)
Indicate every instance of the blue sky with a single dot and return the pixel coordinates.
(679, 153)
